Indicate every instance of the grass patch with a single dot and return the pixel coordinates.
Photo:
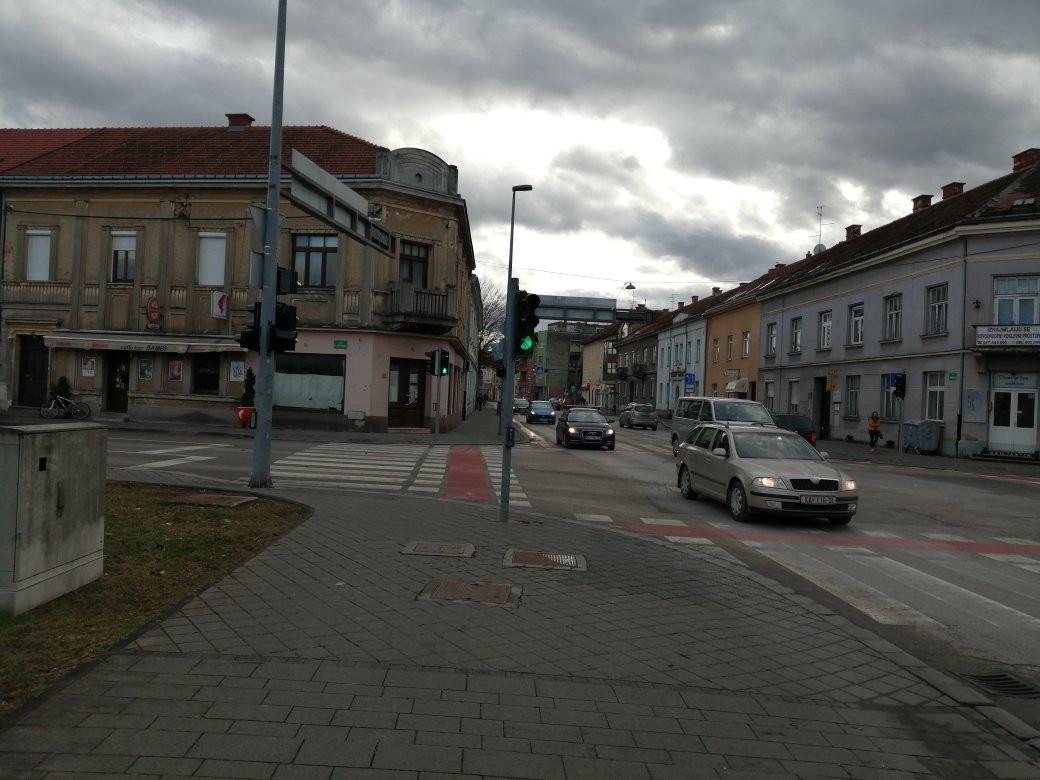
(158, 552)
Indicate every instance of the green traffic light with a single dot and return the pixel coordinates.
(526, 343)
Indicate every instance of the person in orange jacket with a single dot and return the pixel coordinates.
(874, 429)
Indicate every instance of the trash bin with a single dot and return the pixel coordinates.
(911, 435)
(929, 436)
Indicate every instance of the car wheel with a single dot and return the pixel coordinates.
(610, 447)
(737, 500)
(675, 446)
(686, 484)
(843, 520)
(654, 428)
(565, 444)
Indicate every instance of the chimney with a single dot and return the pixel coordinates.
(952, 189)
(922, 202)
(239, 122)
(852, 231)
(778, 266)
(694, 298)
(716, 290)
(1023, 160)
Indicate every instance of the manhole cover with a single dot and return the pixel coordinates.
(1004, 684)
(464, 550)
(472, 592)
(210, 499)
(544, 560)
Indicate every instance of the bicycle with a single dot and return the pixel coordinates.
(65, 407)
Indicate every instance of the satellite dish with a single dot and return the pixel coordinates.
(818, 248)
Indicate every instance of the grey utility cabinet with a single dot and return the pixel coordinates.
(52, 516)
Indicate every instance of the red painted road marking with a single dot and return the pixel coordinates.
(848, 541)
(467, 475)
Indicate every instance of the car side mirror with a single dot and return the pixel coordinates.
(722, 452)
(610, 419)
(825, 455)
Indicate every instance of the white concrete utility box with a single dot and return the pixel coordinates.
(52, 511)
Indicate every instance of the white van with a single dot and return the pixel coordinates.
(692, 410)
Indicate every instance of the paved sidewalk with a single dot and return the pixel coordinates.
(319, 659)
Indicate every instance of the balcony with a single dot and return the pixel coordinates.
(419, 310)
(639, 369)
(622, 372)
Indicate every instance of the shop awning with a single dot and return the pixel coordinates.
(130, 342)
(737, 385)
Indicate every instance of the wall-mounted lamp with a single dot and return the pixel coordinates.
(977, 303)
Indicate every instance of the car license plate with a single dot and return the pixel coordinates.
(818, 500)
(593, 435)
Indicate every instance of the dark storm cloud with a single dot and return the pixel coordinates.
(797, 99)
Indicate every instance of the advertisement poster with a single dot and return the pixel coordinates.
(238, 371)
(88, 366)
(175, 369)
(144, 368)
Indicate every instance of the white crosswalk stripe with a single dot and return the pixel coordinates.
(354, 466)
(493, 460)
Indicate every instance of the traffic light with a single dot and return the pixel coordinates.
(444, 362)
(526, 321)
(283, 336)
(500, 370)
(250, 337)
(288, 282)
(431, 362)
(899, 385)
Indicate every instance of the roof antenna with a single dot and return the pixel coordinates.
(819, 235)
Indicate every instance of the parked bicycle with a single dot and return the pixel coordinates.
(65, 407)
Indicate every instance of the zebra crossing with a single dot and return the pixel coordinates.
(493, 458)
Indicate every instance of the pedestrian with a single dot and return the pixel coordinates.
(874, 429)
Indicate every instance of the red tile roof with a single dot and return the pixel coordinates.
(205, 152)
(20, 146)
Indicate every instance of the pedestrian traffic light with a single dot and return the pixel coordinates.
(250, 337)
(899, 385)
(444, 362)
(500, 370)
(283, 335)
(431, 362)
(288, 282)
(526, 321)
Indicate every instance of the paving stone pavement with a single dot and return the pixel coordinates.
(317, 659)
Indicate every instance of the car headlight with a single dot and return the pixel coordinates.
(848, 484)
(572, 430)
(610, 431)
(769, 482)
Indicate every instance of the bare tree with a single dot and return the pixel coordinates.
(493, 327)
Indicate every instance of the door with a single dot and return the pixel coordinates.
(117, 381)
(32, 371)
(406, 401)
(1013, 426)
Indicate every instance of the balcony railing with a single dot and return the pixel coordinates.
(420, 310)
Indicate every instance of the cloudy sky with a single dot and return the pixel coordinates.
(675, 144)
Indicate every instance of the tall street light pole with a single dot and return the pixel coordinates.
(506, 404)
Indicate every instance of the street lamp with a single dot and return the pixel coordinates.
(506, 404)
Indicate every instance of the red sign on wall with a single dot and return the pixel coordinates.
(153, 309)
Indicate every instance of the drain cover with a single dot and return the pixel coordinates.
(472, 592)
(463, 550)
(213, 499)
(544, 560)
(1004, 684)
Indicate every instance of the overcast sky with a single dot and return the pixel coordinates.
(674, 144)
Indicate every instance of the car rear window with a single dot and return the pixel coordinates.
(643, 408)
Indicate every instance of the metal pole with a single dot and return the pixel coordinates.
(507, 402)
(261, 476)
(437, 392)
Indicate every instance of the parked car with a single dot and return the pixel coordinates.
(521, 405)
(638, 416)
(541, 411)
(755, 469)
(801, 424)
(581, 426)
(691, 411)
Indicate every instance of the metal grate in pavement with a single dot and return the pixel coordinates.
(457, 550)
(472, 592)
(544, 560)
(1004, 684)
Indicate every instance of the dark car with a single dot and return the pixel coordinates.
(521, 405)
(799, 423)
(583, 427)
(541, 411)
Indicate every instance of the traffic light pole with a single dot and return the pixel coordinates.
(261, 476)
(506, 404)
(437, 392)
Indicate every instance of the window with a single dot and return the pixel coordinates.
(796, 334)
(315, 260)
(124, 256)
(935, 387)
(856, 324)
(689, 352)
(729, 347)
(770, 399)
(937, 300)
(414, 261)
(212, 259)
(1016, 300)
(889, 402)
(823, 330)
(745, 344)
(792, 396)
(38, 255)
(893, 318)
(771, 338)
(715, 351)
(697, 354)
(206, 373)
(852, 396)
